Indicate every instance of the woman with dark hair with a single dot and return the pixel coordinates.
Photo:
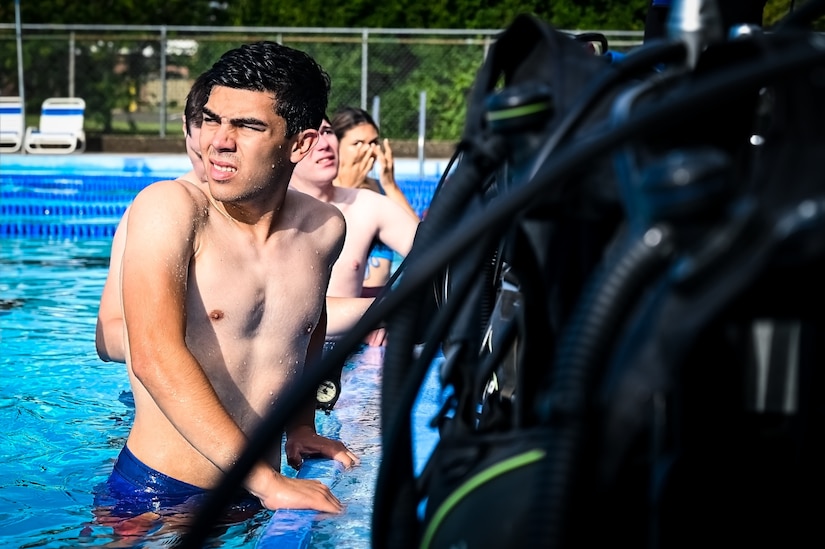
(358, 149)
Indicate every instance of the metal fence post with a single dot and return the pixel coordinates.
(376, 117)
(364, 66)
(18, 32)
(376, 110)
(163, 81)
(71, 64)
(422, 129)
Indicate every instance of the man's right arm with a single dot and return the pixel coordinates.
(344, 313)
(396, 227)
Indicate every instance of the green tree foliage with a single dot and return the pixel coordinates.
(111, 12)
(437, 14)
(777, 9)
(441, 14)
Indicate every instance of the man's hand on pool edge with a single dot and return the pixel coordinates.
(294, 493)
(304, 441)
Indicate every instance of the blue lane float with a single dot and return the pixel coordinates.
(84, 196)
(293, 527)
(55, 209)
(61, 231)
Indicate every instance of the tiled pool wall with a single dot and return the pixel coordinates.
(84, 195)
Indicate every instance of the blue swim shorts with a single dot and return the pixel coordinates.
(134, 488)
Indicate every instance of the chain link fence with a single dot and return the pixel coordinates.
(135, 78)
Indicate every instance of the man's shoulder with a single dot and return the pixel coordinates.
(191, 177)
(320, 221)
(171, 194)
(174, 186)
(364, 195)
(350, 199)
(310, 208)
(304, 200)
(166, 211)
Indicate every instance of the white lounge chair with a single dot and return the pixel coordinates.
(61, 127)
(12, 125)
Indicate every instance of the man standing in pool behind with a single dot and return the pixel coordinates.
(369, 216)
(109, 334)
(216, 323)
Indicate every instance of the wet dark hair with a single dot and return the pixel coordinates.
(347, 118)
(195, 100)
(298, 83)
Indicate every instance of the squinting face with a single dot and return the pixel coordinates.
(246, 155)
(321, 164)
(355, 138)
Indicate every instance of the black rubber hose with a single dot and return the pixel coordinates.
(636, 63)
(395, 498)
(395, 474)
(582, 350)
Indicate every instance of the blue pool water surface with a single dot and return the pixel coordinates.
(66, 414)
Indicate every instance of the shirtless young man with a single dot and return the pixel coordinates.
(109, 335)
(369, 215)
(216, 322)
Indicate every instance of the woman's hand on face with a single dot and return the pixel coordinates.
(353, 173)
(385, 159)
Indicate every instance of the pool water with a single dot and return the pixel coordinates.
(66, 414)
